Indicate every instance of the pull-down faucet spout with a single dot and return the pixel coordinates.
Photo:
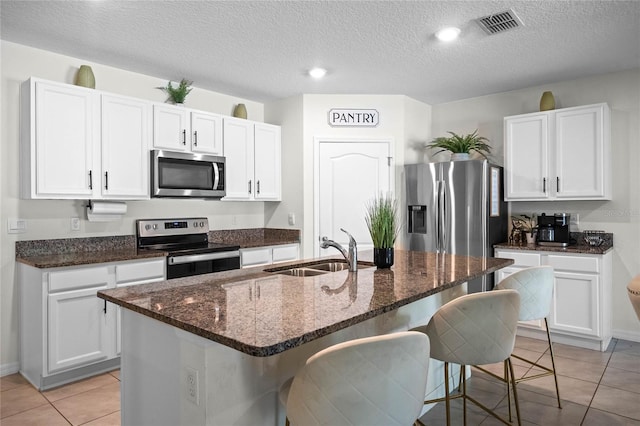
(351, 256)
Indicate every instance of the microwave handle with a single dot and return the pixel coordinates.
(216, 176)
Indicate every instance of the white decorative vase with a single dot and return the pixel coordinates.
(459, 156)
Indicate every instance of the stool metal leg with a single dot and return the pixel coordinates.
(553, 362)
(446, 393)
(515, 392)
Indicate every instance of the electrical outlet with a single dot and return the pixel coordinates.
(234, 220)
(75, 223)
(292, 219)
(191, 378)
(574, 221)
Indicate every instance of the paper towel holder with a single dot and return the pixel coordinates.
(105, 211)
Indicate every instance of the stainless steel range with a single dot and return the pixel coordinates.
(187, 242)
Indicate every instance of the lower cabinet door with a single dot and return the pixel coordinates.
(575, 303)
(78, 329)
(504, 273)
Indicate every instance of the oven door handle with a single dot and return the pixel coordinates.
(176, 260)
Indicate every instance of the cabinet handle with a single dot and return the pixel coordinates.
(544, 185)
(90, 180)
(249, 187)
(195, 138)
(105, 307)
(184, 137)
(106, 180)
(257, 187)
(557, 184)
(250, 295)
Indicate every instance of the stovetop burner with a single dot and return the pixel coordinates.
(178, 236)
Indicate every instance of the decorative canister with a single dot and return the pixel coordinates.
(240, 111)
(85, 77)
(547, 102)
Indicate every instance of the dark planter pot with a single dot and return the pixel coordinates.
(383, 257)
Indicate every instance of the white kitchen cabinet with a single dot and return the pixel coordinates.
(252, 152)
(561, 154)
(66, 331)
(59, 137)
(177, 128)
(125, 147)
(79, 143)
(581, 307)
(269, 254)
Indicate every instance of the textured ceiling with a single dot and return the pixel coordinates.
(260, 50)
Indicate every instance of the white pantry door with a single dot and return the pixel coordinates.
(350, 175)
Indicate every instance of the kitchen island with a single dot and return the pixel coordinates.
(214, 349)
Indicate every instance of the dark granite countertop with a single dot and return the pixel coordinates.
(581, 247)
(62, 252)
(262, 313)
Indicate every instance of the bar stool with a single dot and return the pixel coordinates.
(633, 290)
(474, 329)
(535, 286)
(378, 380)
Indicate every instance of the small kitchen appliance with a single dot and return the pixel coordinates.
(187, 243)
(553, 230)
(187, 175)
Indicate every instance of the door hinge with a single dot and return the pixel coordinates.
(389, 161)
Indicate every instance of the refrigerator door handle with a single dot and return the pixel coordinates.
(443, 218)
(437, 216)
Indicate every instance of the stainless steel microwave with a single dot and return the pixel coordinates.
(187, 175)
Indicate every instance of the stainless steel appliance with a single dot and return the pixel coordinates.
(457, 208)
(554, 230)
(187, 242)
(182, 174)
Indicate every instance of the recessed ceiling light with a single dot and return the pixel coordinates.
(317, 72)
(448, 34)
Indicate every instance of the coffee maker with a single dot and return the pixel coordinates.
(554, 230)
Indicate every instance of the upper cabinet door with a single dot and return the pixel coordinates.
(62, 142)
(238, 149)
(206, 133)
(267, 162)
(526, 147)
(170, 127)
(125, 148)
(582, 152)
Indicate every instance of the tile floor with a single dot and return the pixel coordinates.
(597, 388)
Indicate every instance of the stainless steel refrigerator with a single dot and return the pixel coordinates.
(456, 207)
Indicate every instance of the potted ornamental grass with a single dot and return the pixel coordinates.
(383, 224)
(461, 146)
(177, 94)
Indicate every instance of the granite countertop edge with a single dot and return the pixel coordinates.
(574, 249)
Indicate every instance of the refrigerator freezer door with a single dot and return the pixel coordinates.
(421, 180)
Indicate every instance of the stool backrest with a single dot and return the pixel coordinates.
(535, 286)
(377, 380)
(475, 329)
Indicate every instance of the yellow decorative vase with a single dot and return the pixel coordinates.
(85, 77)
(240, 111)
(547, 102)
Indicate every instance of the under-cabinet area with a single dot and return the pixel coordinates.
(581, 308)
(66, 332)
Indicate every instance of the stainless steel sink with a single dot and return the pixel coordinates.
(330, 266)
(299, 272)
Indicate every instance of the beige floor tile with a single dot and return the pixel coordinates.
(20, 399)
(112, 419)
(12, 381)
(581, 354)
(577, 369)
(43, 415)
(617, 401)
(437, 415)
(115, 373)
(574, 390)
(627, 347)
(543, 409)
(79, 387)
(599, 418)
(625, 360)
(90, 405)
(535, 345)
(622, 379)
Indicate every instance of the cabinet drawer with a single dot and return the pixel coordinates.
(128, 273)
(520, 259)
(79, 278)
(284, 253)
(573, 263)
(253, 257)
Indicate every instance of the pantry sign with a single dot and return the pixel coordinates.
(345, 117)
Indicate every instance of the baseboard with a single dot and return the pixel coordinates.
(633, 336)
(10, 368)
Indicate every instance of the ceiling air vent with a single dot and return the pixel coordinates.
(499, 22)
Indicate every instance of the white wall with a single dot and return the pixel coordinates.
(50, 219)
(621, 215)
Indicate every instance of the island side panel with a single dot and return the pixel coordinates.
(234, 388)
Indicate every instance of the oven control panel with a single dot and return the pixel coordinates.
(162, 227)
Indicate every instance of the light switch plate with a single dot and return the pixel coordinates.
(16, 226)
(75, 223)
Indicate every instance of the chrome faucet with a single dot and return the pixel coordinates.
(351, 256)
